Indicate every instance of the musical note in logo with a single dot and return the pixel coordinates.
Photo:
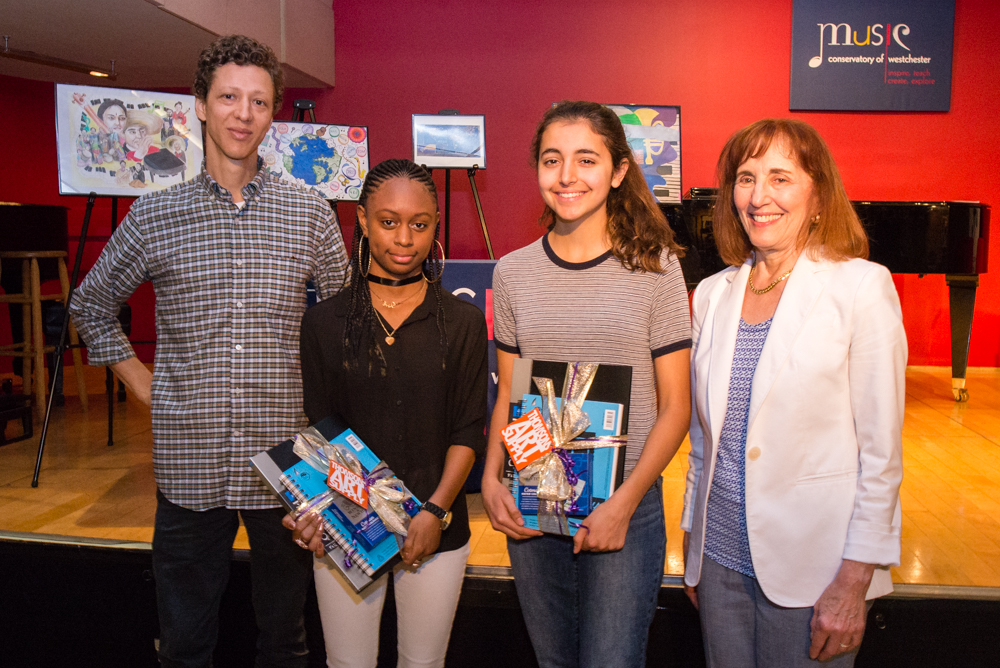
(900, 28)
(816, 61)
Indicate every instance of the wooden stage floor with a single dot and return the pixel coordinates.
(950, 494)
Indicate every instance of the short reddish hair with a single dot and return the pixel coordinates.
(836, 234)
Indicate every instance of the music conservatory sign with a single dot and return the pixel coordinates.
(872, 55)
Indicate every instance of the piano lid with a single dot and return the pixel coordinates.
(907, 237)
(927, 237)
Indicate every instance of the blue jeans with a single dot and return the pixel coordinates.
(594, 608)
(191, 555)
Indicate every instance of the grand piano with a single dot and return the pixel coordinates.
(950, 238)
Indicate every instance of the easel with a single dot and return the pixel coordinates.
(301, 107)
(447, 199)
(61, 345)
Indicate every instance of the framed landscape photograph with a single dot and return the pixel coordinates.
(449, 142)
(330, 159)
(654, 134)
(120, 142)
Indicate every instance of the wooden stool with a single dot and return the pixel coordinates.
(34, 342)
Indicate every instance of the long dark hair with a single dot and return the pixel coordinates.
(363, 331)
(636, 226)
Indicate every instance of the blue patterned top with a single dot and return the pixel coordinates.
(726, 540)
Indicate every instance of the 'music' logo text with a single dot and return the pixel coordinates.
(875, 35)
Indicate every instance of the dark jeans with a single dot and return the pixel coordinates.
(592, 609)
(191, 555)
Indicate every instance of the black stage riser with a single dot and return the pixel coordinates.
(95, 606)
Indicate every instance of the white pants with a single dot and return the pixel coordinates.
(426, 601)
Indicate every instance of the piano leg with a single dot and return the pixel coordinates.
(962, 297)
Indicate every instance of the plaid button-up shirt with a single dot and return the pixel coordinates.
(230, 293)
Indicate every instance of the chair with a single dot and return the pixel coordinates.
(33, 348)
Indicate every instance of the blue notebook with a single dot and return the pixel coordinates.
(600, 470)
(349, 529)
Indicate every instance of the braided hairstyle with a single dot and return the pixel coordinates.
(363, 331)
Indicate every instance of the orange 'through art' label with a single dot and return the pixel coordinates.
(527, 438)
(348, 483)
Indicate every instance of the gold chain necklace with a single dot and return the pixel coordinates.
(395, 304)
(770, 287)
(389, 338)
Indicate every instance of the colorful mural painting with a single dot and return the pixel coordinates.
(654, 133)
(124, 142)
(330, 159)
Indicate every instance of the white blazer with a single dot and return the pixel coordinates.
(824, 431)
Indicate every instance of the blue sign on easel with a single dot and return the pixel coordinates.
(472, 280)
(872, 55)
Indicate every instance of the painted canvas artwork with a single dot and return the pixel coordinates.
(450, 142)
(654, 133)
(330, 159)
(114, 141)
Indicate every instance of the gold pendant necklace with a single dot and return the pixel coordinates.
(389, 338)
(770, 287)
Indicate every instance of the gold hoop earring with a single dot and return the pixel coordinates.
(440, 272)
(361, 255)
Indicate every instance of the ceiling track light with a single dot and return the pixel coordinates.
(51, 61)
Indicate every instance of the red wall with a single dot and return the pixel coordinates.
(725, 63)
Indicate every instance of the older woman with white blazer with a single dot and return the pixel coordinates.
(798, 372)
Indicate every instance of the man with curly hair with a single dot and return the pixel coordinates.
(229, 254)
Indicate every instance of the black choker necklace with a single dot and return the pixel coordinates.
(372, 278)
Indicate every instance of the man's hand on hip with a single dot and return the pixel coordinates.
(137, 377)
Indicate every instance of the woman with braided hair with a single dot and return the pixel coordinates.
(404, 363)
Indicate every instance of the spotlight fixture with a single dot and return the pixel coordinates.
(51, 61)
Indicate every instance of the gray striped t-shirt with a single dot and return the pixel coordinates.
(545, 308)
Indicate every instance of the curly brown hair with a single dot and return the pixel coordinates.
(241, 50)
(835, 233)
(636, 226)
